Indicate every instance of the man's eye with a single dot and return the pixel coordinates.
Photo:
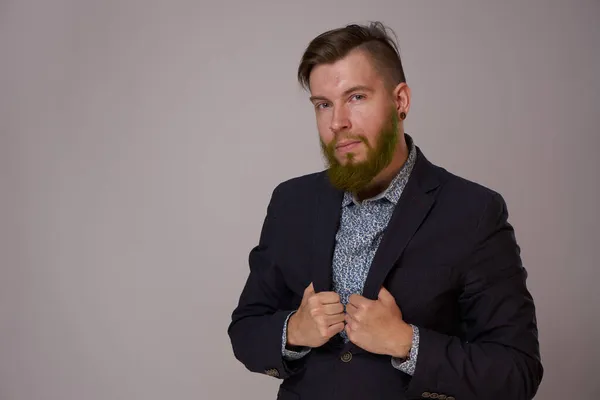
(322, 105)
(358, 97)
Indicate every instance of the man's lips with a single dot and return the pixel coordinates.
(347, 145)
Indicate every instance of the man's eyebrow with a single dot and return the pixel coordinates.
(356, 88)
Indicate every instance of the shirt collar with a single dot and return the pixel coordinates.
(395, 188)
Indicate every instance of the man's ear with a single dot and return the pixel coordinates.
(401, 97)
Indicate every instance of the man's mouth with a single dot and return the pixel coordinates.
(347, 144)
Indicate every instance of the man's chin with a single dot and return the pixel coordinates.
(344, 161)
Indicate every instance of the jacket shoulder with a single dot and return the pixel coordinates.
(470, 199)
(465, 187)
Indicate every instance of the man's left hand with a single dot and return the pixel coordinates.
(377, 325)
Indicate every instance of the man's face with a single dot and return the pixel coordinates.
(356, 118)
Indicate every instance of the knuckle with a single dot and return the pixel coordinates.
(322, 331)
(320, 321)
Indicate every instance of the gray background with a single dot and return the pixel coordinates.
(140, 141)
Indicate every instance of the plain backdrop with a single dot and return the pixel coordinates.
(140, 142)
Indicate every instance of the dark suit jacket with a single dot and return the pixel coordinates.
(450, 259)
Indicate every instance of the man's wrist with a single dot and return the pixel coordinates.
(292, 340)
(403, 342)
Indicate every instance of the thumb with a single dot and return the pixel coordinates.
(310, 289)
(385, 296)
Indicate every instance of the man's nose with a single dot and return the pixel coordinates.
(340, 120)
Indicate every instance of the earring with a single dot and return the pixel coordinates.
(402, 115)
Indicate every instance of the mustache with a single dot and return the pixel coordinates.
(348, 136)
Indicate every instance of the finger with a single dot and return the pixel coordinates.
(335, 329)
(329, 297)
(354, 314)
(351, 334)
(333, 309)
(350, 323)
(351, 309)
(310, 289)
(385, 296)
(334, 319)
(357, 300)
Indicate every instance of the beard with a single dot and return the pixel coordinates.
(356, 176)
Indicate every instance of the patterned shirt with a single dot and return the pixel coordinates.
(362, 226)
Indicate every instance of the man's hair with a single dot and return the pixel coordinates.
(335, 44)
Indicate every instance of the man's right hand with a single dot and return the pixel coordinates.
(319, 317)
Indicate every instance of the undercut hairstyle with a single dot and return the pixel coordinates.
(375, 39)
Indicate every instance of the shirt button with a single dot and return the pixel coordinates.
(346, 357)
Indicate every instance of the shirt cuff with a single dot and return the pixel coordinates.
(288, 354)
(409, 365)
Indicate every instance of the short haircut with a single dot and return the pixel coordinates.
(335, 44)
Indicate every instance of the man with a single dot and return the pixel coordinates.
(384, 276)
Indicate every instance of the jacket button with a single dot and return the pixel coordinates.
(442, 397)
(346, 357)
(426, 395)
(434, 396)
(450, 398)
(272, 372)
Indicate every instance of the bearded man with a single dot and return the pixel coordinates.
(383, 276)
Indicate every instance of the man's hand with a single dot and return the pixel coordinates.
(319, 317)
(377, 325)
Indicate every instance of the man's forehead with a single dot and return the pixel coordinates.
(353, 70)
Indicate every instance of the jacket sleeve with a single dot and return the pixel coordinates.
(258, 320)
(499, 357)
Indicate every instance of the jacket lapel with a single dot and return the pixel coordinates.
(413, 206)
(327, 218)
